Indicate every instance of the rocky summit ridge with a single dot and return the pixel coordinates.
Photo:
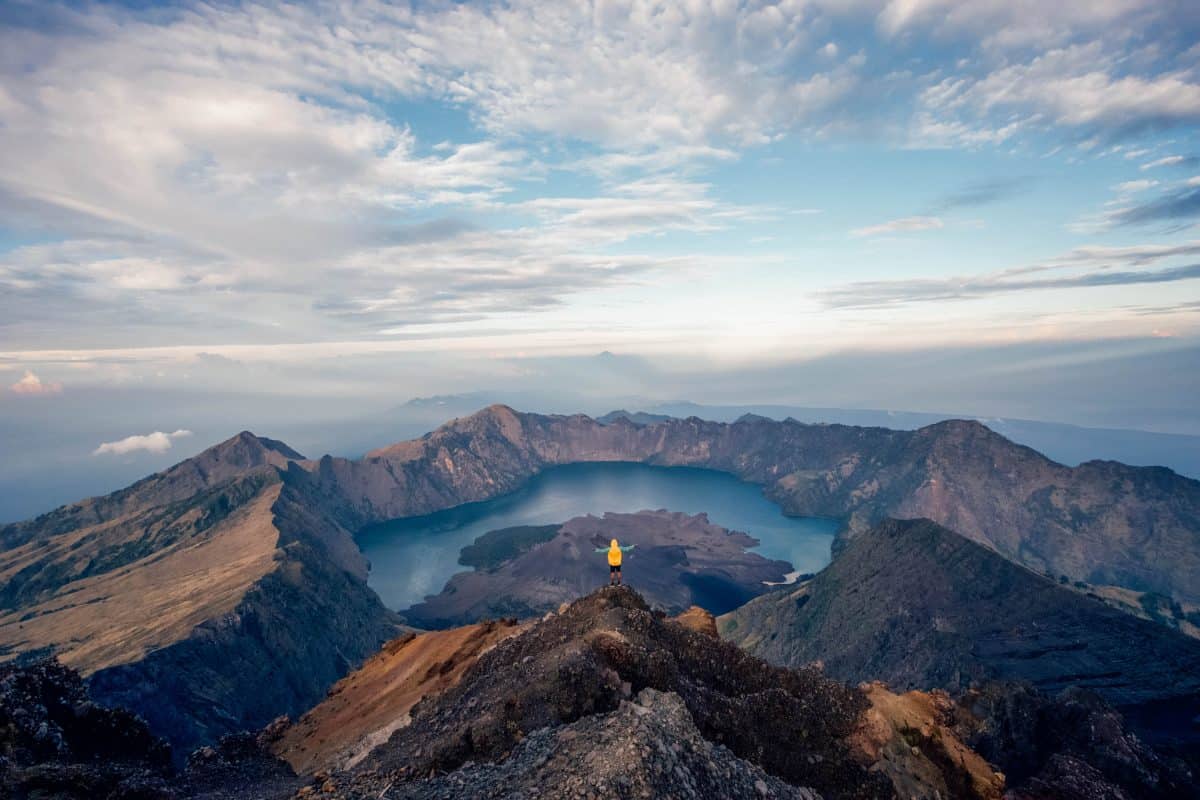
(606, 698)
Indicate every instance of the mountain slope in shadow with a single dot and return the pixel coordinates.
(208, 598)
(918, 606)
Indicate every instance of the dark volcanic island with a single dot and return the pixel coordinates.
(679, 561)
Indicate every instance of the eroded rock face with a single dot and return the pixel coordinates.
(294, 633)
(1070, 746)
(606, 648)
(698, 620)
(240, 766)
(920, 607)
(911, 738)
(608, 699)
(648, 747)
(679, 560)
(367, 706)
(55, 741)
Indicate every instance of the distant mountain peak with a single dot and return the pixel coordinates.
(960, 426)
(496, 414)
(637, 418)
(247, 450)
(440, 400)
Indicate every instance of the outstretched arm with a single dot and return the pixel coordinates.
(627, 548)
(600, 550)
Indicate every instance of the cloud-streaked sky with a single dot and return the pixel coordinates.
(202, 186)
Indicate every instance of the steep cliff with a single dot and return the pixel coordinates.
(363, 709)
(57, 744)
(208, 598)
(920, 607)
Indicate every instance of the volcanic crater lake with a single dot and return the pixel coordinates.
(414, 557)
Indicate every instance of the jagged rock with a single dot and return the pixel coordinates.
(698, 620)
(609, 646)
(1071, 746)
(604, 699)
(911, 738)
(55, 742)
(239, 767)
(364, 708)
(647, 747)
(550, 709)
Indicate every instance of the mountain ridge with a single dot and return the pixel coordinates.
(171, 597)
(1141, 525)
(609, 698)
(919, 606)
(1131, 526)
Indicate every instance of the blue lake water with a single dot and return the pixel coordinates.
(414, 557)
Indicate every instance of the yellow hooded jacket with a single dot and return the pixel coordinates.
(614, 552)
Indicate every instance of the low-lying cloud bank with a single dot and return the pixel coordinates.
(31, 384)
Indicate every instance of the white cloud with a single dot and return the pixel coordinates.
(157, 442)
(1065, 87)
(1166, 161)
(31, 384)
(227, 168)
(1006, 23)
(693, 73)
(1080, 268)
(903, 225)
(1099, 256)
(438, 274)
(1135, 186)
(614, 73)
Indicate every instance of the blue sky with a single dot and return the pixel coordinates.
(361, 198)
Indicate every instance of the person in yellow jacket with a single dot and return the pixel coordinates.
(615, 552)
